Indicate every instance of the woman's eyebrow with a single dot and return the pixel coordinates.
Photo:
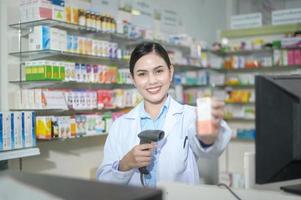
(144, 70)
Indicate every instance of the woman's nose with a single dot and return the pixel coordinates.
(152, 78)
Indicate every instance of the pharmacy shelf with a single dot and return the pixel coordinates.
(240, 86)
(249, 52)
(241, 103)
(167, 45)
(69, 85)
(187, 86)
(52, 23)
(236, 119)
(63, 55)
(19, 153)
(260, 31)
(241, 52)
(64, 112)
(74, 137)
(261, 69)
(83, 30)
(188, 67)
(242, 140)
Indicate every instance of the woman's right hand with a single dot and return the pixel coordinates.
(139, 156)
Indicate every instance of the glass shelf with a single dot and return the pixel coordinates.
(55, 54)
(238, 119)
(26, 26)
(64, 112)
(242, 140)
(69, 85)
(19, 153)
(83, 29)
(167, 45)
(260, 69)
(72, 138)
(241, 52)
(186, 86)
(239, 86)
(183, 68)
(240, 103)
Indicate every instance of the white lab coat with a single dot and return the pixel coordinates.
(176, 162)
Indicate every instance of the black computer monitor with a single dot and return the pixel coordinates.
(278, 128)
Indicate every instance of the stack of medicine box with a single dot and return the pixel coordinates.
(17, 130)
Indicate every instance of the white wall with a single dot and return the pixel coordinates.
(265, 7)
(201, 18)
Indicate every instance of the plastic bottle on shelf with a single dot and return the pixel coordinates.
(82, 17)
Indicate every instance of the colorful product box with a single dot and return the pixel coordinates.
(43, 127)
(297, 57)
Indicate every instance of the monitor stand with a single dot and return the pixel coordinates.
(296, 189)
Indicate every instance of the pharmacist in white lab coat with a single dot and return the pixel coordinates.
(174, 158)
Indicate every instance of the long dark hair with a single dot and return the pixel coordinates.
(146, 48)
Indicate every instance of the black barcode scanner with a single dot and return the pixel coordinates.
(149, 136)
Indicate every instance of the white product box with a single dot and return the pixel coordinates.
(82, 100)
(204, 115)
(24, 99)
(63, 40)
(54, 99)
(75, 101)
(31, 10)
(16, 130)
(39, 38)
(31, 97)
(55, 39)
(28, 129)
(38, 99)
(5, 131)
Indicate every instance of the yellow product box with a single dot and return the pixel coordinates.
(43, 128)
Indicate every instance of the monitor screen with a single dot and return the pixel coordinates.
(278, 128)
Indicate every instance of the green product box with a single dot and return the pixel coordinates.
(28, 73)
(56, 71)
(62, 71)
(34, 73)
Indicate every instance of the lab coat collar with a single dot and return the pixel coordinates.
(174, 108)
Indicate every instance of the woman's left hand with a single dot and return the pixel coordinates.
(217, 116)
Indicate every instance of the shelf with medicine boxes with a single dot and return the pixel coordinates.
(19, 153)
(69, 112)
(84, 30)
(64, 55)
(78, 136)
(261, 69)
(70, 85)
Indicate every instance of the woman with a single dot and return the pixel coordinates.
(174, 158)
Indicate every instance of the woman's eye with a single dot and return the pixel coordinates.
(159, 71)
(141, 74)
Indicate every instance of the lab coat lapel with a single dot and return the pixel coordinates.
(172, 116)
(134, 122)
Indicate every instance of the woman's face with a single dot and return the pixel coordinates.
(152, 78)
